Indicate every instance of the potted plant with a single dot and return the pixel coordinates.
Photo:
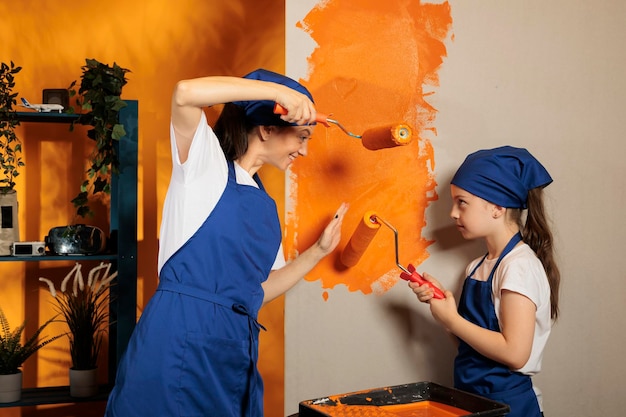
(99, 98)
(84, 308)
(13, 354)
(10, 157)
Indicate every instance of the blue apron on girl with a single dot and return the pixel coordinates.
(474, 372)
(195, 347)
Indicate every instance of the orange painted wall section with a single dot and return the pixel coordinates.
(375, 63)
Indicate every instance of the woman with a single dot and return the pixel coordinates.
(194, 350)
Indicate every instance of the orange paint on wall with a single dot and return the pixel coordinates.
(374, 64)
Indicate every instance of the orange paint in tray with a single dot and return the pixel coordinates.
(419, 409)
(424, 409)
(375, 64)
(421, 399)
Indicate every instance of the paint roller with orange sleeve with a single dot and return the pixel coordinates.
(360, 240)
(387, 136)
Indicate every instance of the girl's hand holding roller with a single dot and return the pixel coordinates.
(443, 310)
(425, 292)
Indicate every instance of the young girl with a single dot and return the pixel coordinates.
(510, 295)
(195, 348)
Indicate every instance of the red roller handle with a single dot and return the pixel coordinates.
(319, 118)
(416, 277)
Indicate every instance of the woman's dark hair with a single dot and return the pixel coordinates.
(232, 130)
(537, 235)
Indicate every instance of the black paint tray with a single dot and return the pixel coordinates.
(370, 402)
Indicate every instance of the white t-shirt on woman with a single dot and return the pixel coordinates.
(195, 188)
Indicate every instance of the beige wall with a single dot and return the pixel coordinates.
(548, 76)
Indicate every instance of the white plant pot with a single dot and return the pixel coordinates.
(83, 383)
(10, 388)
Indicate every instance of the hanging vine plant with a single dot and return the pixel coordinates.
(10, 143)
(98, 98)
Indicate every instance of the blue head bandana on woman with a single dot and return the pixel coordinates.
(261, 112)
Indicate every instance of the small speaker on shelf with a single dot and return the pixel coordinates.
(56, 96)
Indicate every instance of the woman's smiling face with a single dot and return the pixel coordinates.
(286, 144)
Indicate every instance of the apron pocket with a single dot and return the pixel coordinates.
(214, 376)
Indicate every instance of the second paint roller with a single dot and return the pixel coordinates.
(360, 240)
(388, 136)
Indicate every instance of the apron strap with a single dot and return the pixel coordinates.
(211, 298)
(508, 248)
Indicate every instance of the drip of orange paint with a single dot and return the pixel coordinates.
(370, 67)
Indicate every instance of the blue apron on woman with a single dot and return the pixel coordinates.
(474, 372)
(194, 351)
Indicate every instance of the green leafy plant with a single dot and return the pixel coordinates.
(99, 98)
(12, 352)
(84, 308)
(10, 144)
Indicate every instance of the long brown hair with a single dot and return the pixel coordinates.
(537, 234)
(232, 130)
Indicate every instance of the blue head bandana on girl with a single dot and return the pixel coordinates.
(502, 176)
